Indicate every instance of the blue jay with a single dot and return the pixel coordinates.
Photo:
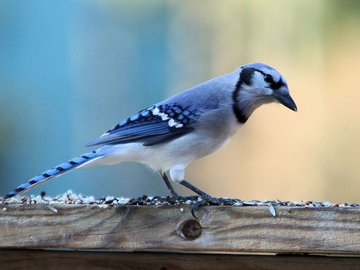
(171, 134)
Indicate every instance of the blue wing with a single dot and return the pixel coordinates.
(154, 125)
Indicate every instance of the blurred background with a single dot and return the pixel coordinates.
(71, 69)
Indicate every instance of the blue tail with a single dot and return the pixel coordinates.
(57, 171)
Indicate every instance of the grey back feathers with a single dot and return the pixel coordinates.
(171, 118)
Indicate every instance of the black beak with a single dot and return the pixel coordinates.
(285, 99)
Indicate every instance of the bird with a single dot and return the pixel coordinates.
(192, 124)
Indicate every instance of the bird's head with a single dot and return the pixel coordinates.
(259, 84)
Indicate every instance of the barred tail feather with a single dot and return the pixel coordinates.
(54, 172)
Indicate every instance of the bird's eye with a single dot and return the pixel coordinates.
(268, 78)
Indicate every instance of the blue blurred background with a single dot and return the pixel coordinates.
(71, 69)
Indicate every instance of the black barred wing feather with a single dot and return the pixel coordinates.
(157, 124)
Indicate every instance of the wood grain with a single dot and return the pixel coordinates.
(57, 260)
(172, 228)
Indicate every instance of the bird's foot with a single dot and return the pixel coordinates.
(209, 200)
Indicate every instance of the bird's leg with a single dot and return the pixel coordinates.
(174, 194)
(169, 186)
(177, 174)
(206, 198)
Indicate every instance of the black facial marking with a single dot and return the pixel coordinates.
(277, 85)
(244, 78)
(270, 80)
(246, 75)
(240, 116)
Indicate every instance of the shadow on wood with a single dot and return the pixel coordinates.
(56, 260)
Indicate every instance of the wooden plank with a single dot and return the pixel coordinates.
(34, 260)
(172, 228)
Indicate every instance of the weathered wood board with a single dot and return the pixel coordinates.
(219, 229)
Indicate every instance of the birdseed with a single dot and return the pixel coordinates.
(70, 197)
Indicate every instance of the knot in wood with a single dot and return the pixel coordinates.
(189, 229)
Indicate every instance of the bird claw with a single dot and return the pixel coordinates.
(196, 206)
(208, 200)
